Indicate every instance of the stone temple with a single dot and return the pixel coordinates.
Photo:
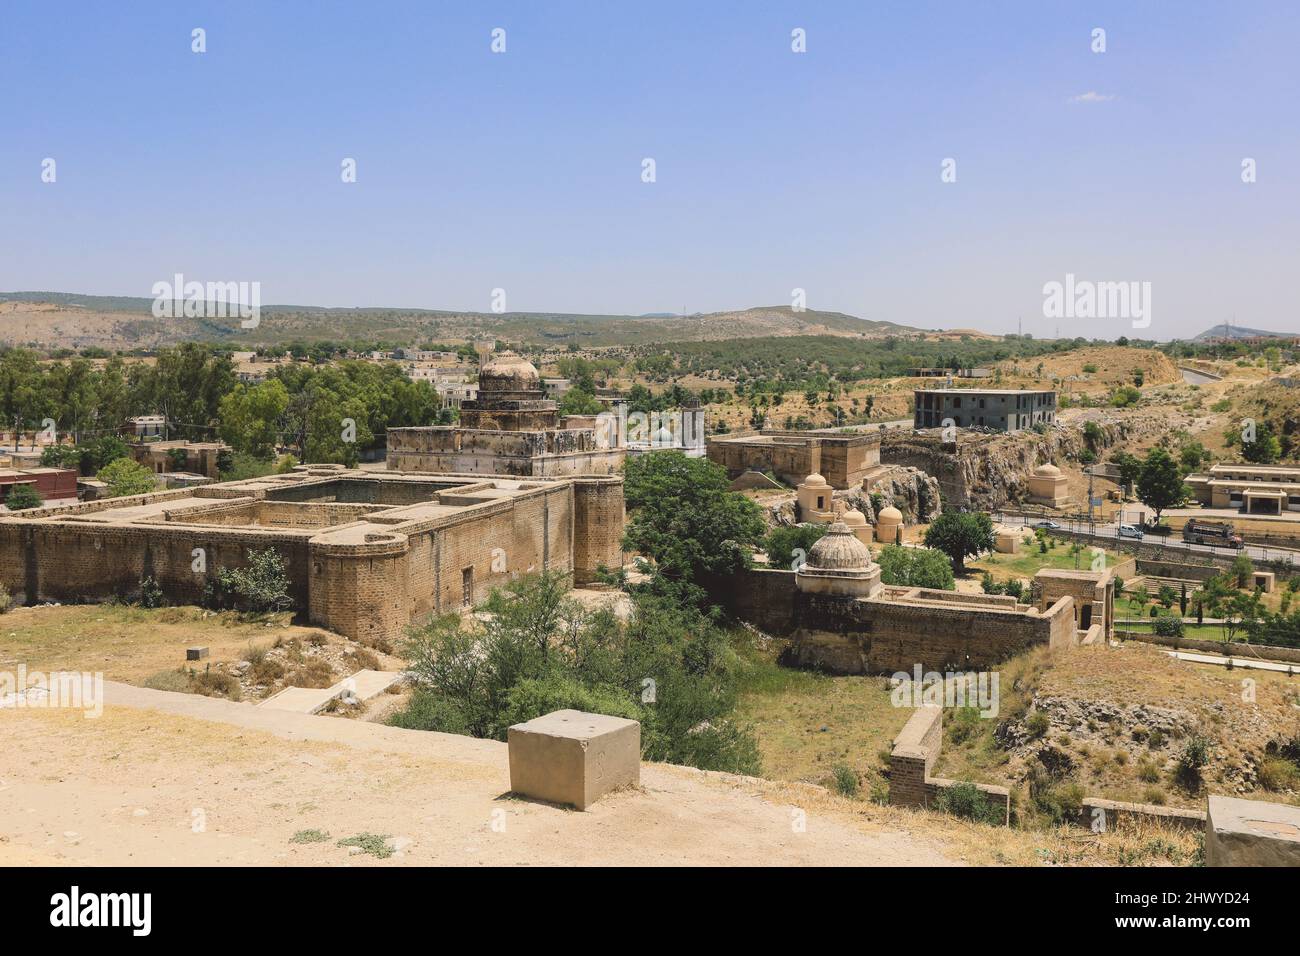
(512, 428)
(841, 618)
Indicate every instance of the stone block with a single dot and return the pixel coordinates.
(195, 653)
(573, 757)
(1251, 833)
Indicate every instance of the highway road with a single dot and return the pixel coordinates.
(1173, 541)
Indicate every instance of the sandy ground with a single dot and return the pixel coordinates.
(177, 779)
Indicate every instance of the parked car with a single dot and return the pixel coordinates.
(1046, 525)
(1130, 531)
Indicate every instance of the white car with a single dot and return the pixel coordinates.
(1130, 531)
(1046, 525)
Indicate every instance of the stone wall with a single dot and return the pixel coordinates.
(1102, 815)
(916, 748)
(540, 454)
(598, 516)
(935, 629)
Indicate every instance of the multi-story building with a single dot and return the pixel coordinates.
(1004, 410)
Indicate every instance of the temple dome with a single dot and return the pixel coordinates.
(854, 518)
(815, 480)
(890, 515)
(1047, 471)
(839, 550)
(509, 373)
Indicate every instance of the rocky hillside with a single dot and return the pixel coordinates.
(986, 472)
(910, 490)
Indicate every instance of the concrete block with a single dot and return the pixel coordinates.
(572, 757)
(1251, 833)
(195, 653)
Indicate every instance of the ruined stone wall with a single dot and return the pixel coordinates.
(598, 518)
(540, 454)
(884, 636)
(72, 562)
(790, 462)
(764, 597)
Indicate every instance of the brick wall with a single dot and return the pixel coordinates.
(916, 749)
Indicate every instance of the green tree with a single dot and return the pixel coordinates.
(1160, 484)
(24, 496)
(784, 544)
(579, 402)
(915, 567)
(684, 517)
(1265, 449)
(960, 536)
(251, 417)
(126, 477)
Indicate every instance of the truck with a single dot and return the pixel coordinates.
(1211, 532)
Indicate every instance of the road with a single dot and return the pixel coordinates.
(1111, 530)
(1193, 377)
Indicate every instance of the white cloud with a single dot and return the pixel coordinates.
(1092, 96)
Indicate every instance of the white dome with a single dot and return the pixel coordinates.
(815, 480)
(854, 518)
(1047, 471)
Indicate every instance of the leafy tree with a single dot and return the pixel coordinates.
(251, 417)
(1265, 449)
(685, 518)
(126, 477)
(783, 544)
(1242, 569)
(960, 536)
(1160, 484)
(578, 402)
(540, 650)
(24, 496)
(915, 567)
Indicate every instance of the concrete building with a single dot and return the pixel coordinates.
(52, 484)
(843, 459)
(1253, 489)
(511, 428)
(1004, 410)
(366, 553)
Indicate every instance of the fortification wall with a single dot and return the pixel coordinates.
(597, 526)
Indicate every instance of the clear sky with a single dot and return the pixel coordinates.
(775, 170)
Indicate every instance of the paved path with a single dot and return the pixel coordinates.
(1243, 662)
(363, 685)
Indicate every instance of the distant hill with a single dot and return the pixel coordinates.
(60, 319)
(1225, 331)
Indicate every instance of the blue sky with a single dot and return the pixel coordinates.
(775, 170)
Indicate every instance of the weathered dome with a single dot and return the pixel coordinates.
(890, 515)
(854, 518)
(509, 373)
(839, 550)
(815, 480)
(1047, 471)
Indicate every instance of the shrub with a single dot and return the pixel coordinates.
(1193, 760)
(6, 600)
(1037, 724)
(23, 497)
(373, 843)
(310, 836)
(846, 781)
(1015, 587)
(151, 595)
(261, 586)
(1168, 626)
(1061, 801)
(666, 664)
(990, 586)
(1277, 774)
(969, 802)
(1148, 771)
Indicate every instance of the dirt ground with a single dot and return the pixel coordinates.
(141, 786)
